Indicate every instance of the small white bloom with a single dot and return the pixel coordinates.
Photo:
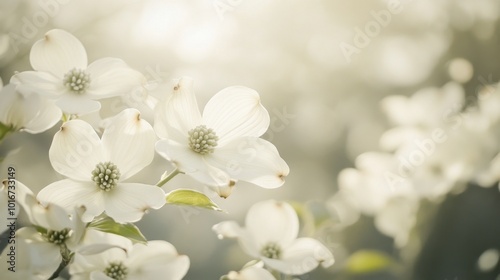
(222, 144)
(96, 168)
(418, 115)
(61, 72)
(270, 234)
(249, 273)
(34, 260)
(157, 259)
(39, 245)
(26, 111)
(377, 178)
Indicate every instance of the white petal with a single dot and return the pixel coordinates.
(272, 221)
(23, 198)
(227, 229)
(235, 112)
(230, 229)
(58, 52)
(157, 260)
(160, 120)
(255, 273)
(77, 104)
(396, 107)
(35, 255)
(397, 218)
(253, 160)
(112, 77)
(128, 202)
(76, 150)
(42, 83)
(47, 117)
(192, 163)
(96, 248)
(17, 109)
(128, 141)
(69, 194)
(51, 217)
(181, 110)
(304, 255)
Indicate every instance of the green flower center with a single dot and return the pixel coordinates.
(271, 250)
(106, 175)
(77, 80)
(202, 140)
(116, 270)
(57, 237)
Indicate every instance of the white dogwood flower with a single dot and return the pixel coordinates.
(249, 273)
(157, 259)
(52, 233)
(96, 168)
(223, 144)
(27, 111)
(32, 260)
(270, 234)
(62, 72)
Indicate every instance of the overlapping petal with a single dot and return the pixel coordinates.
(77, 104)
(181, 110)
(128, 202)
(254, 273)
(57, 53)
(301, 257)
(127, 130)
(157, 260)
(112, 77)
(43, 83)
(75, 150)
(236, 112)
(272, 221)
(191, 163)
(253, 160)
(69, 193)
(17, 109)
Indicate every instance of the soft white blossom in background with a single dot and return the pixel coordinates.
(62, 73)
(437, 146)
(250, 272)
(96, 168)
(26, 111)
(222, 145)
(157, 259)
(270, 234)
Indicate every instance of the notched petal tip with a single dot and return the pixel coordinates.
(282, 176)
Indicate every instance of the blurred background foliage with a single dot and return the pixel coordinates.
(324, 108)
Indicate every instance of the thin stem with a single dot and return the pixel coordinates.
(61, 267)
(66, 259)
(168, 178)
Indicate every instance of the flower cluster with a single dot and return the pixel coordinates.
(440, 143)
(85, 221)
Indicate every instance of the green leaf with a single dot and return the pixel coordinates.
(368, 261)
(188, 197)
(127, 230)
